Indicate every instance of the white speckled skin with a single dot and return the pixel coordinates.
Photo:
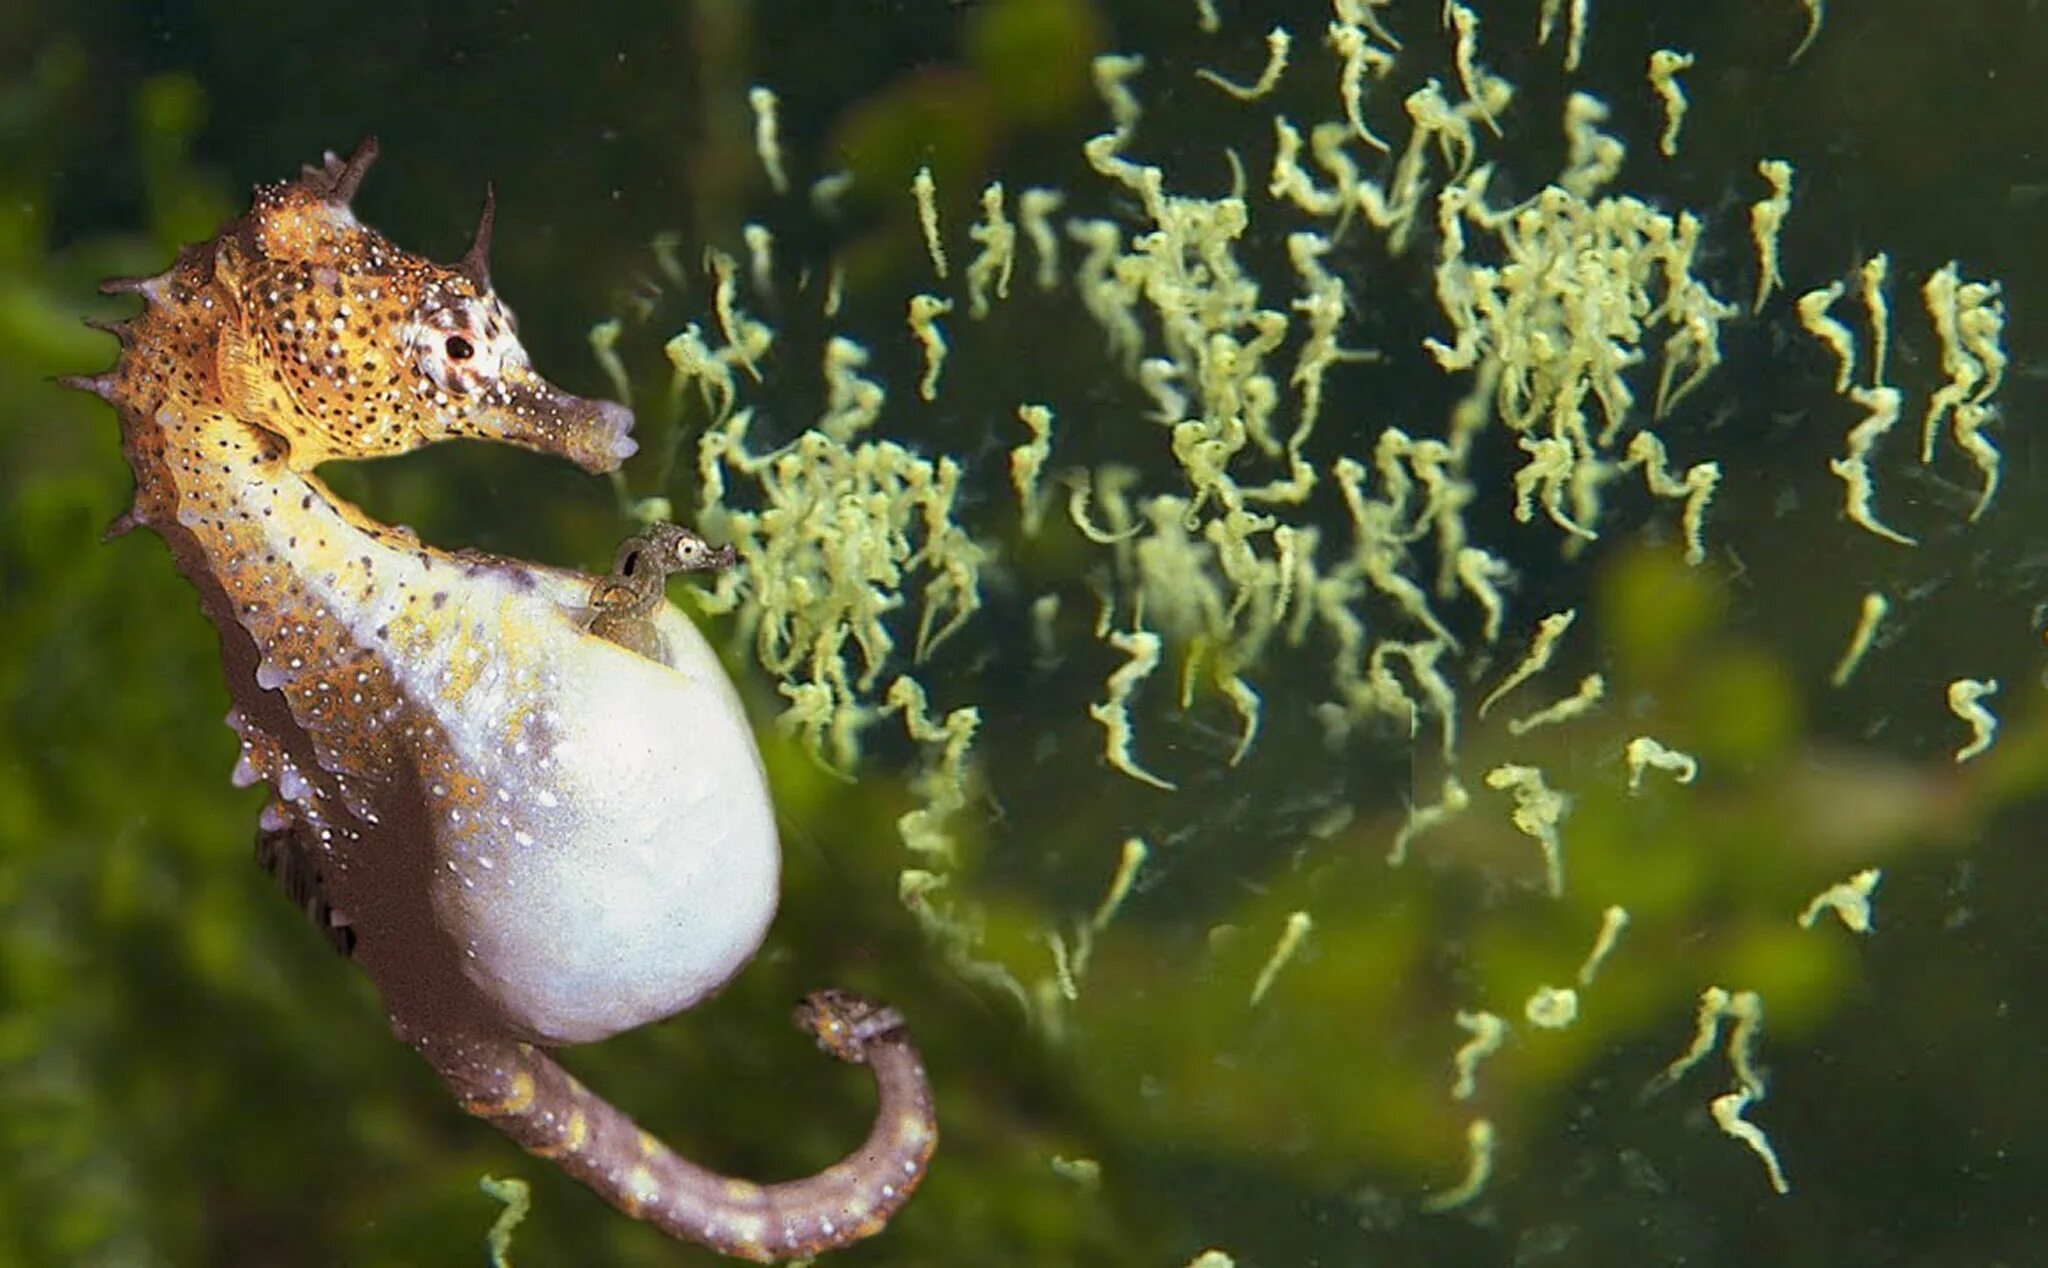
(592, 829)
(628, 864)
(526, 834)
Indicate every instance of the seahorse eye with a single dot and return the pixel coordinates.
(460, 349)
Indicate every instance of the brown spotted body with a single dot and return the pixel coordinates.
(527, 803)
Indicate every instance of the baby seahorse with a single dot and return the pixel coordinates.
(525, 800)
(623, 604)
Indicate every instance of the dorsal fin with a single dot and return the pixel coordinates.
(281, 851)
(476, 262)
(337, 181)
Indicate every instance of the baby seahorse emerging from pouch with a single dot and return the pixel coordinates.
(525, 800)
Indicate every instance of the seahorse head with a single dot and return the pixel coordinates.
(347, 346)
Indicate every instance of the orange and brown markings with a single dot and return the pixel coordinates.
(352, 347)
(373, 676)
(279, 554)
(324, 328)
(296, 336)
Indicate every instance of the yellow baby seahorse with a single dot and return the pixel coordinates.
(525, 800)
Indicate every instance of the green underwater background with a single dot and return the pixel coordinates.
(188, 1075)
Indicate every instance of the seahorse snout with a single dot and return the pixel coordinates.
(604, 439)
(614, 426)
(595, 435)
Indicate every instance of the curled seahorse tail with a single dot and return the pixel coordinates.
(541, 1106)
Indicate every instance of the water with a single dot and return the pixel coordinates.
(191, 1077)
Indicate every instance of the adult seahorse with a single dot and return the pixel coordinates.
(525, 800)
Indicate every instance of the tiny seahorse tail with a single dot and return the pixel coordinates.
(549, 1113)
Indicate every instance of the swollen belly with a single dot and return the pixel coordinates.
(622, 863)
